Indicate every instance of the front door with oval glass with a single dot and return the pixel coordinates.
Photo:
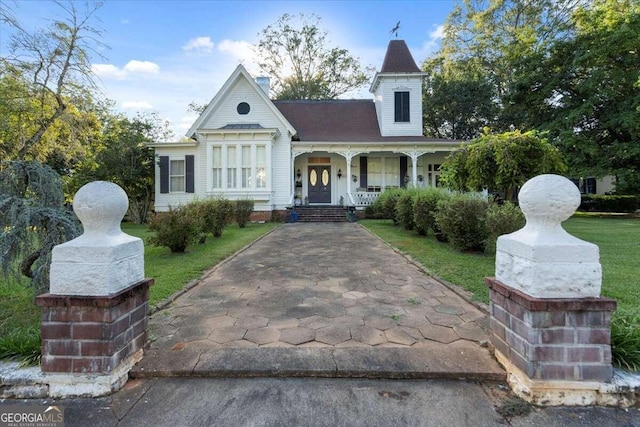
(319, 184)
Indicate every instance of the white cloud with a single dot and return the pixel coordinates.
(145, 67)
(437, 34)
(433, 43)
(110, 71)
(136, 105)
(199, 43)
(241, 50)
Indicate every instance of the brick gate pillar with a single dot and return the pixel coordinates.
(94, 319)
(549, 324)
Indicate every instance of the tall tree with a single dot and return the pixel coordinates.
(491, 39)
(591, 89)
(294, 52)
(46, 81)
(52, 70)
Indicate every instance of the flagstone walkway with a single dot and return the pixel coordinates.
(318, 285)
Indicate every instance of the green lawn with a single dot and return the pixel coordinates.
(618, 239)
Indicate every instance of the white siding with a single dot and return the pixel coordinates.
(279, 186)
(384, 100)
(226, 112)
(165, 200)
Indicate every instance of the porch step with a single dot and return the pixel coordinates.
(321, 214)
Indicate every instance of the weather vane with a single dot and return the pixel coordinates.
(395, 29)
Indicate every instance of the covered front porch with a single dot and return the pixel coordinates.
(355, 176)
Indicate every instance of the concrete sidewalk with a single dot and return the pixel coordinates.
(327, 300)
(238, 402)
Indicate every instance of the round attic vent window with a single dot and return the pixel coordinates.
(243, 108)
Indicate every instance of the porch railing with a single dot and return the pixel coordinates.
(364, 198)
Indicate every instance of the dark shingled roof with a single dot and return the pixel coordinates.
(398, 59)
(338, 121)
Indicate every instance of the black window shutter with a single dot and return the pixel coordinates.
(405, 106)
(189, 169)
(164, 174)
(403, 170)
(398, 106)
(363, 171)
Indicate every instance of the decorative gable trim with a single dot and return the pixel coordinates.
(240, 72)
(380, 76)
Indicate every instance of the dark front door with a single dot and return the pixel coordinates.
(319, 184)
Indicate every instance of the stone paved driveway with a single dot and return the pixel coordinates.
(317, 285)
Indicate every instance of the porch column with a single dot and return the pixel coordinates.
(414, 170)
(415, 154)
(292, 174)
(348, 155)
(348, 175)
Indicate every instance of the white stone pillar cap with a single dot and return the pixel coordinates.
(542, 259)
(103, 260)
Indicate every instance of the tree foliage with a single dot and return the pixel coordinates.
(294, 52)
(48, 80)
(457, 104)
(33, 220)
(501, 162)
(47, 114)
(565, 67)
(124, 159)
(592, 96)
(492, 37)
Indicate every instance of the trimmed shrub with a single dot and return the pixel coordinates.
(425, 207)
(502, 219)
(607, 203)
(385, 205)
(463, 218)
(242, 210)
(625, 339)
(219, 214)
(175, 229)
(370, 212)
(404, 208)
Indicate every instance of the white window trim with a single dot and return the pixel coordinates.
(184, 174)
(224, 165)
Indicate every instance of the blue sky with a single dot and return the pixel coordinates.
(165, 54)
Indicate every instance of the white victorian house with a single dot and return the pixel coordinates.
(244, 145)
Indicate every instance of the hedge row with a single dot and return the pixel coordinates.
(466, 220)
(607, 203)
(189, 223)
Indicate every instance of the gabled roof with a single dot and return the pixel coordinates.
(398, 59)
(239, 72)
(339, 121)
